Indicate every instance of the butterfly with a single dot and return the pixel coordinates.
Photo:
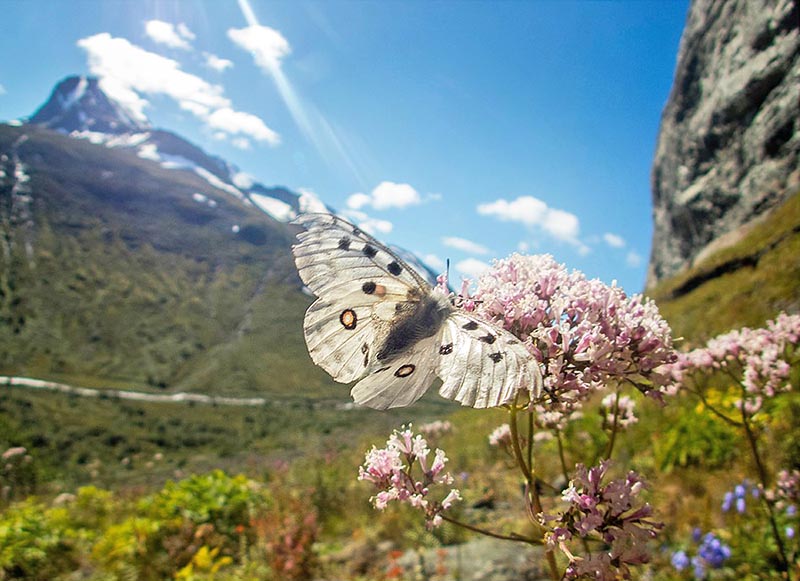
(378, 322)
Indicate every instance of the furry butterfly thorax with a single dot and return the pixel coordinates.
(377, 322)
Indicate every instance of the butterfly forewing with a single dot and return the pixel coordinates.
(331, 247)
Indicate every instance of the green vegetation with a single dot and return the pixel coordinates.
(146, 289)
(741, 285)
(117, 277)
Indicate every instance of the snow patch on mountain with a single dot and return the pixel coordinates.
(309, 203)
(281, 211)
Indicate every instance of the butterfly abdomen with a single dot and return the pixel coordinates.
(415, 321)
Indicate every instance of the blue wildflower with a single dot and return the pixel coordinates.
(679, 560)
(740, 505)
(791, 510)
(739, 491)
(727, 501)
(789, 533)
(699, 567)
(713, 551)
(697, 534)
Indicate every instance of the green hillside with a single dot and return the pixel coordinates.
(742, 285)
(114, 275)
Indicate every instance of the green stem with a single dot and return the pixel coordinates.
(613, 438)
(510, 537)
(561, 456)
(531, 483)
(762, 476)
(712, 409)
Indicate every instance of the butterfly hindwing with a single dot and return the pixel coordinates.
(482, 365)
(400, 382)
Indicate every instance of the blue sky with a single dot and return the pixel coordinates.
(461, 130)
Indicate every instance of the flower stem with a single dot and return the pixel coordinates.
(762, 476)
(612, 439)
(561, 456)
(533, 492)
(509, 537)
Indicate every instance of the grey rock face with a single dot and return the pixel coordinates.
(729, 145)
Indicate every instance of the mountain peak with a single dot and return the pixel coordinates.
(80, 104)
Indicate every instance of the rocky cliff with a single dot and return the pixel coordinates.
(728, 147)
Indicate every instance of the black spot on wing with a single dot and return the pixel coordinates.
(369, 251)
(368, 287)
(405, 370)
(365, 351)
(394, 268)
(382, 369)
(488, 338)
(470, 326)
(496, 357)
(446, 349)
(344, 243)
(348, 319)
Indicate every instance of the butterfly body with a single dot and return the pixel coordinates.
(377, 322)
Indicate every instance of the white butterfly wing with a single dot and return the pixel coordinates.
(332, 252)
(370, 300)
(482, 365)
(359, 283)
(401, 382)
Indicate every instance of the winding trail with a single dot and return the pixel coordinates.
(181, 397)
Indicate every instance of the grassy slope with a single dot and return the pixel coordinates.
(744, 284)
(132, 283)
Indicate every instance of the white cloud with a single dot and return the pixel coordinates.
(266, 45)
(241, 143)
(471, 267)
(385, 195)
(184, 31)
(127, 72)
(532, 211)
(367, 223)
(433, 261)
(633, 259)
(464, 245)
(219, 64)
(238, 122)
(167, 34)
(563, 225)
(523, 247)
(614, 240)
(2, 90)
(376, 225)
(357, 201)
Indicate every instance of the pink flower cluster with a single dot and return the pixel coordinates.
(585, 334)
(760, 359)
(622, 407)
(436, 429)
(787, 489)
(403, 472)
(610, 513)
(501, 436)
